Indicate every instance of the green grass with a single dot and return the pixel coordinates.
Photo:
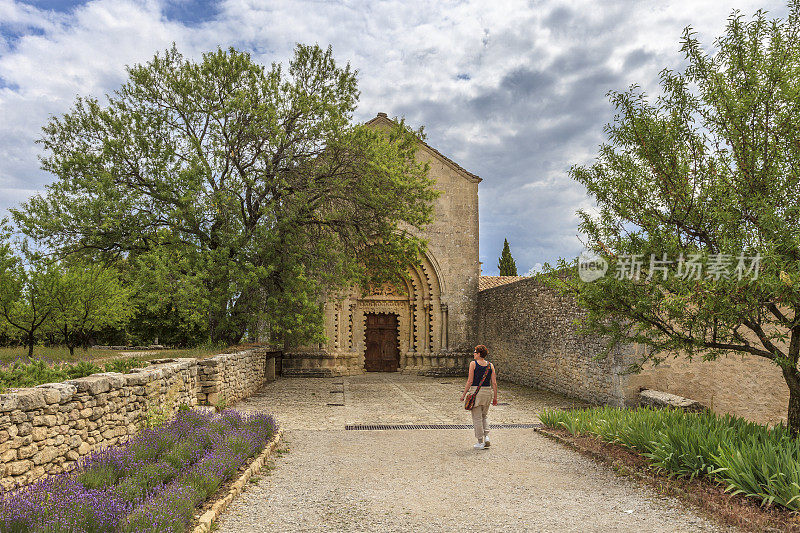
(745, 457)
(54, 364)
(58, 354)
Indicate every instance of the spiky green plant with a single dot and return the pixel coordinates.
(747, 458)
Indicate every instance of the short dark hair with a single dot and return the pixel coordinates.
(481, 349)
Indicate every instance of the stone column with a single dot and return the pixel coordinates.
(426, 335)
(444, 326)
(337, 321)
(351, 327)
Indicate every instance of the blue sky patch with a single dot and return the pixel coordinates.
(59, 6)
(8, 85)
(191, 12)
(12, 34)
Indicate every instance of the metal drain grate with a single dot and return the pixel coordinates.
(436, 426)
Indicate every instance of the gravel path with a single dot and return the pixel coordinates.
(432, 480)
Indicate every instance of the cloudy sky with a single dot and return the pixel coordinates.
(513, 91)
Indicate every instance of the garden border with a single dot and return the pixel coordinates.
(209, 517)
(622, 469)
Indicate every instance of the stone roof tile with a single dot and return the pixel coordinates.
(489, 282)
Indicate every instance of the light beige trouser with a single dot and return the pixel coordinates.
(480, 413)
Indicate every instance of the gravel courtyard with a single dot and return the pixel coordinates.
(334, 479)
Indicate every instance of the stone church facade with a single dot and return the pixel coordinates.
(430, 325)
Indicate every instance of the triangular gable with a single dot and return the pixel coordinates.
(382, 118)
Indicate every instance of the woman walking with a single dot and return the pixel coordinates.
(481, 372)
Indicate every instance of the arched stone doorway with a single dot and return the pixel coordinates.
(420, 317)
(421, 320)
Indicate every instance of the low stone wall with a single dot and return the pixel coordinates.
(528, 328)
(230, 377)
(665, 400)
(45, 429)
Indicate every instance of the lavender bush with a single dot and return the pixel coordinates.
(153, 483)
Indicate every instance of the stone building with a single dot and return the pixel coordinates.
(428, 326)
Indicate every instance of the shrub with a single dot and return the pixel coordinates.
(749, 459)
(124, 366)
(20, 374)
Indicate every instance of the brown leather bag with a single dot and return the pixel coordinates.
(469, 399)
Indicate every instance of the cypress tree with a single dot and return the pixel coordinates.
(506, 263)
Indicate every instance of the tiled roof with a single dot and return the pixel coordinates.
(489, 282)
(469, 175)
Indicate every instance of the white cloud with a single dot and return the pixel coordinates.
(533, 103)
(535, 269)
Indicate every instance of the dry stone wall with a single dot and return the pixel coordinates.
(741, 385)
(46, 429)
(227, 378)
(528, 328)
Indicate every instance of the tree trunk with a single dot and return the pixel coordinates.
(71, 350)
(228, 325)
(30, 347)
(794, 411)
(792, 378)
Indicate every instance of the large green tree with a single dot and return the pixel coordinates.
(691, 187)
(26, 296)
(255, 178)
(170, 299)
(86, 299)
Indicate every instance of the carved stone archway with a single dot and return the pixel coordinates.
(422, 323)
(422, 320)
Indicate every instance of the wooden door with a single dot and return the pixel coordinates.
(382, 354)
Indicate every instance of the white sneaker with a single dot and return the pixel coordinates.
(479, 446)
(486, 442)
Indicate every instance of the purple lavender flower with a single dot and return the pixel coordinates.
(154, 482)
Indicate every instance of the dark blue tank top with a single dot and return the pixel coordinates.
(477, 376)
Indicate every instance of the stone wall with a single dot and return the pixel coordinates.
(528, 328)
(741, 385)
(227, 378)
(46, 429)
